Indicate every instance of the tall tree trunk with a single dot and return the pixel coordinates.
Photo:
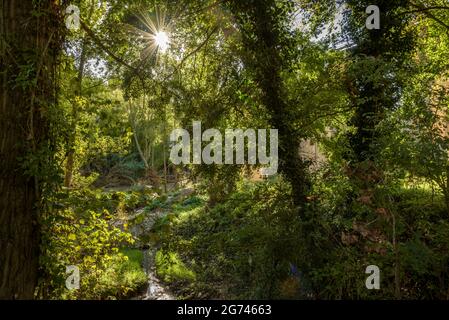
(164, 148)
(28, 50)
(264, 24)
(373, 94)
(133, 121)
(72, 140)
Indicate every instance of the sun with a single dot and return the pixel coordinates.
(162, 40)
(153, 32)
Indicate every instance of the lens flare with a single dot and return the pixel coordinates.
(162, 40)
(153, 31)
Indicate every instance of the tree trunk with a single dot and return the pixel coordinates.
(72, 141)
(28, 49)
(372, 97)
(164, 148)
(264, 36)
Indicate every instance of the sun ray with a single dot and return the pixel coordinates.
(154, 34)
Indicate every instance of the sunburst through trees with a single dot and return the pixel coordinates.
(154, 31)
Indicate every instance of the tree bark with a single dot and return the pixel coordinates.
(28, 49)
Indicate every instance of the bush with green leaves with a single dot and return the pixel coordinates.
(255, 245)
(79, 232)
(241, 248)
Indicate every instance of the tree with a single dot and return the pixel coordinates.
(374, 82)
(29, 47)
(269, 48)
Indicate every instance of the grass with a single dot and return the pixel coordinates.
(135, 257)
(170, 268)
(125, 276)
(132, 271)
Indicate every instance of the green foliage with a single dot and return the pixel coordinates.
(171, 269)
(393, 227)
(242, 249)
(375, 101)
(241, 245)
(80, 233)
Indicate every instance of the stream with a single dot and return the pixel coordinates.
(156, 289)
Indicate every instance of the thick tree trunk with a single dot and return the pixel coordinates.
(27, 60)
(373, 96)
(257, 21)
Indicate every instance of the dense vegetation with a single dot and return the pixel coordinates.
(86, 178)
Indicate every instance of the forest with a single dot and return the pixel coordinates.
(224, 150)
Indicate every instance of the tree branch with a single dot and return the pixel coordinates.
(426, 11)
(102, 46)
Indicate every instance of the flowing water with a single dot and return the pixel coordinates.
(156, 289)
